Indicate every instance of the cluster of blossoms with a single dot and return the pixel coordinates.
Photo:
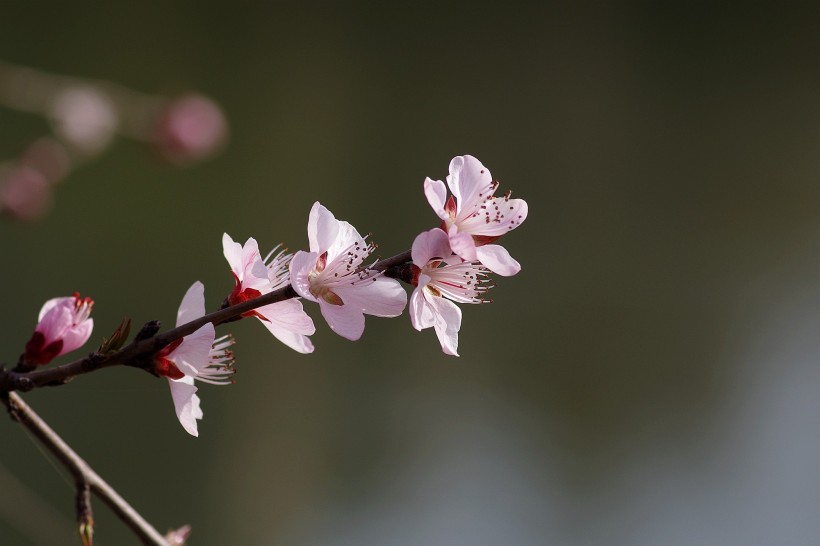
(450, 265)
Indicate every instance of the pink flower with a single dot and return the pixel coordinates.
(198, 356)
(192, 128)
(473, 217)
(62, 327)
(253, 276)
(332, 275)
(439, 277)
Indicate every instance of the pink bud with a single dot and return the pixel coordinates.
(192, 128)
(63, 326)
(25, 193)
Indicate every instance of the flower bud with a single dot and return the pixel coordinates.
(192, 128)
(64, 325)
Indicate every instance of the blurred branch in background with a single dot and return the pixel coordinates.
(85, 117)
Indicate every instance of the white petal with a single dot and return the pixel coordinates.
(508, 216)
(233, 254)
(498, 260)
(300, 267)
(193, 304)
(288, 315)
(322, 228)
(345, 320)
(428, 245)
(421, 314)
(382, 297)
(298, 342)
(186, 403)
(346, 236)
(193, 354)
(254, 273)
(463, 244)
(447, 323)
(436, 193)
(468, 178)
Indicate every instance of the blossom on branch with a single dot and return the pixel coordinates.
(332, 274)
(253, 276)
(63, 326)
(199, 356)
(439, 277)
(473, 217)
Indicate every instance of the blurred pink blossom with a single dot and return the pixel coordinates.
(191, 128)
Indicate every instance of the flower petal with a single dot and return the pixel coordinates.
(290, 315)
(300, 267)
(322, 228)
(436, 193)
(193, 354)
(463, 244)
(75, 337)
(193, 304)
(428, 245)
(421, 314)
(289, 323)
(381, 297)
(55, 302)
(233, 254)
(298, 342)
(500, 216)
(345, 320)
(497, 259)
(467, 179)
(447, 323)
(186, 403)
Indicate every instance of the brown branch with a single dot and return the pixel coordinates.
(84, 476)
(129, 355)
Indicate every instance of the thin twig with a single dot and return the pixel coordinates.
(84, 475)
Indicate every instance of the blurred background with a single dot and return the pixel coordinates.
(650, 377)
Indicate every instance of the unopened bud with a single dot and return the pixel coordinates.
(192, 128)
(25, 193)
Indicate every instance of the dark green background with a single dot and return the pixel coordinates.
(650, 377)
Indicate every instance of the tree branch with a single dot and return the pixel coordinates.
(84, 476)
(18, 381)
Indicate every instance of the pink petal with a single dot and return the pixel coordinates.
(254, 273)
(346, 236)
(322, 228)
(56, 320)
(233, 254)
(300, 267)
(193, 304)
(186, 403)
(345, 320)
(382, 297)
(55, 302)
(447, 323)
(298, 342)
(428, 245)
(75, 337)
(463, 245)
(421, 314)
(288, 315)
(436, 193)
(467, 179)
(498, 260)
(511, 213)
(193, 354)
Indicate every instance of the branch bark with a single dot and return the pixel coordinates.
(84, 476)
(16, 381)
